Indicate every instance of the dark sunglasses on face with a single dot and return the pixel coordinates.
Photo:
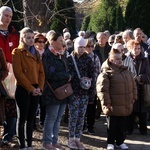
(90, 46)
(41, 42)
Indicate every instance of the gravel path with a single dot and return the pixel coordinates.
(93, 142)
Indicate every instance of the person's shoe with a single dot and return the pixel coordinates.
(85, 130)
(72, 144)
(48, 147)
(91, 131)
(110, 147)
(8, 144)
(80, 145)
(122, 146)
(58, 146)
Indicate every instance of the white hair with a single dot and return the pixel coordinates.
(81, 33)
(49, 33)
(67, 34)
(5, 8)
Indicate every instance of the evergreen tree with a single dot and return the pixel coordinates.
(105, 17)
(85, 23)
(137, 15)
(119, 19)
(63, 16)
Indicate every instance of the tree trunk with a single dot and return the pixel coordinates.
(36, 14)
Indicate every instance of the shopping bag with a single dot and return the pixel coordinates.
(10, 82)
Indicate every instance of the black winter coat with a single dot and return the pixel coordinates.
(86, 69)
(98, 52)
(144, 72)
(56, 73)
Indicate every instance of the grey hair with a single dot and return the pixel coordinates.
(100, 34)
(5, 8)
(129, 32)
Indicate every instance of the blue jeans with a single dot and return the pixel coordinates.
(52, 123)
(9, 128)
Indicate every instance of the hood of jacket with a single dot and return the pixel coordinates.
(109, 67)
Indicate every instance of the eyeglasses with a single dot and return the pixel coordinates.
(41, 42)
(90, 46)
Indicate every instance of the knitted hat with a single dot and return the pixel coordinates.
(79, 41)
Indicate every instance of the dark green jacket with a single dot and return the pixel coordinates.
(56, 74)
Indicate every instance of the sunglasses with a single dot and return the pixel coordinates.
(90, 46)
(41, 42)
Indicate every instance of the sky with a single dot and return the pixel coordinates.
(79, 1)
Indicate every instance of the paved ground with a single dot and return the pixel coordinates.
(97, 141)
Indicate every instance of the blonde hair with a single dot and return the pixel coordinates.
(90, 41)
(23, 34)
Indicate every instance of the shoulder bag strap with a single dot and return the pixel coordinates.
(49, 86)
(75, 64)
(49, 83)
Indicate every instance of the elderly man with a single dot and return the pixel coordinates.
(137, 33)
(9, 39)
(101, 49)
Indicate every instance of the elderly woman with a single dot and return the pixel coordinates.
(143, 75)
(29, 74)
(117, 92)
(56, 74)
(39, 43)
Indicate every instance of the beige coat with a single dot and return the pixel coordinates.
(116, 86)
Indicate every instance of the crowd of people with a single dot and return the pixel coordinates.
(107, 73)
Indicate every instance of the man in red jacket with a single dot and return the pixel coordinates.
(9, 37)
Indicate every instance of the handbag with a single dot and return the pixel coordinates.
(146, 90)
(8, 86)
(85, 82)
(62, 92)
